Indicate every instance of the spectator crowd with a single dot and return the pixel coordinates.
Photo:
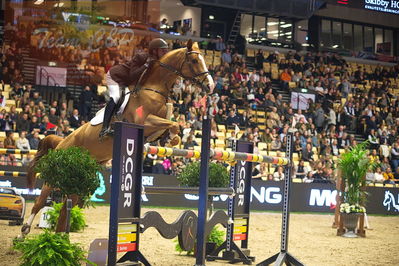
(248, 103)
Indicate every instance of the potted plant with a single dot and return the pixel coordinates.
(78, 221)
(50, 249)
(354, 164)
(73, 172)
(218, 177)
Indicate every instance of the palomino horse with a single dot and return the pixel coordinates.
(146, 107)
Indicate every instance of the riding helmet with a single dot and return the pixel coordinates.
(158, 43)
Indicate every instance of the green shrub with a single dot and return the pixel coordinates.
(216, 236)
(218, 175)
(50, 249)
(72, 171)
(78, 222)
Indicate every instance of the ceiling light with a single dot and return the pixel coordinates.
(286, 25)
(335, 46)
(272, 23)
(39, 2)
(272, 32)
(211, 17)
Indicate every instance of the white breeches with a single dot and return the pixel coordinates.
(113, 88)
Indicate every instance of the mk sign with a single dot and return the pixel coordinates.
(322, 197)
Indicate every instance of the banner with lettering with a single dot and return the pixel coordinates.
(265, 195)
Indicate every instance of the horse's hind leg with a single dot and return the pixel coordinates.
(39, 204)
(62, 220)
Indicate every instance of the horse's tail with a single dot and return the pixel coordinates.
(49, 142)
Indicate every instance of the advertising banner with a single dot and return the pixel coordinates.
(265, 195)
(389, 6)
(51, 76)
(300, 100)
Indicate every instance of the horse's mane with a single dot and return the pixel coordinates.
(175, 54)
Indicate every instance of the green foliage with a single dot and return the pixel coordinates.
(72, 171)
(51, 250)
(78, 222)
(218, 175)
(354, 164)
(180, 250)
(216, 236)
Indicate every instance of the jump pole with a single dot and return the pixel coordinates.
(124, 223)
(126, 190)
(13, 174)
(238, 211)
(17, 151)
(203, 190)
(284, 256)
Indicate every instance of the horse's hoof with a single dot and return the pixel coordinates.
(175, 141)
(25, 229)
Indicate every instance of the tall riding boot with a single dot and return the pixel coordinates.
(108, 113)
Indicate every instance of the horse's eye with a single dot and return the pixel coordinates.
(194, 61)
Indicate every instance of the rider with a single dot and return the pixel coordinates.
(121, 76)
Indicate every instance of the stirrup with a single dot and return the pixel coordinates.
(106, 132)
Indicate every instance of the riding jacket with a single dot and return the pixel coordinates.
(129, 73)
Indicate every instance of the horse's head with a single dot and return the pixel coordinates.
(388, 198)
(189, 64)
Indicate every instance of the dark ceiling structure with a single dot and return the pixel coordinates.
(299, 9)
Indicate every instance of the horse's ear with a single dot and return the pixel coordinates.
(195, 46)
(190, 45)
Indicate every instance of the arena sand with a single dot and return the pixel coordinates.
(312, 240)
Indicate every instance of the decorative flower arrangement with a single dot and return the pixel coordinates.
(354, 164)
(346, 208)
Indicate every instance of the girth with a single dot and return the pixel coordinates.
(157, 91)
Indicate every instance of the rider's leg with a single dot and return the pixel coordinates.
(108, 113)
(110, 109)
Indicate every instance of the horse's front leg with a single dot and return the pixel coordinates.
(155, 126)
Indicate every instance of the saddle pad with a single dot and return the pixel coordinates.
(99, 117)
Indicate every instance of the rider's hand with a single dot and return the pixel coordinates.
(150, 61)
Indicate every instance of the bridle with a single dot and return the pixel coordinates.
(194, 78)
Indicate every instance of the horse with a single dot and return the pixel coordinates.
(147, 106)
(390, 200)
